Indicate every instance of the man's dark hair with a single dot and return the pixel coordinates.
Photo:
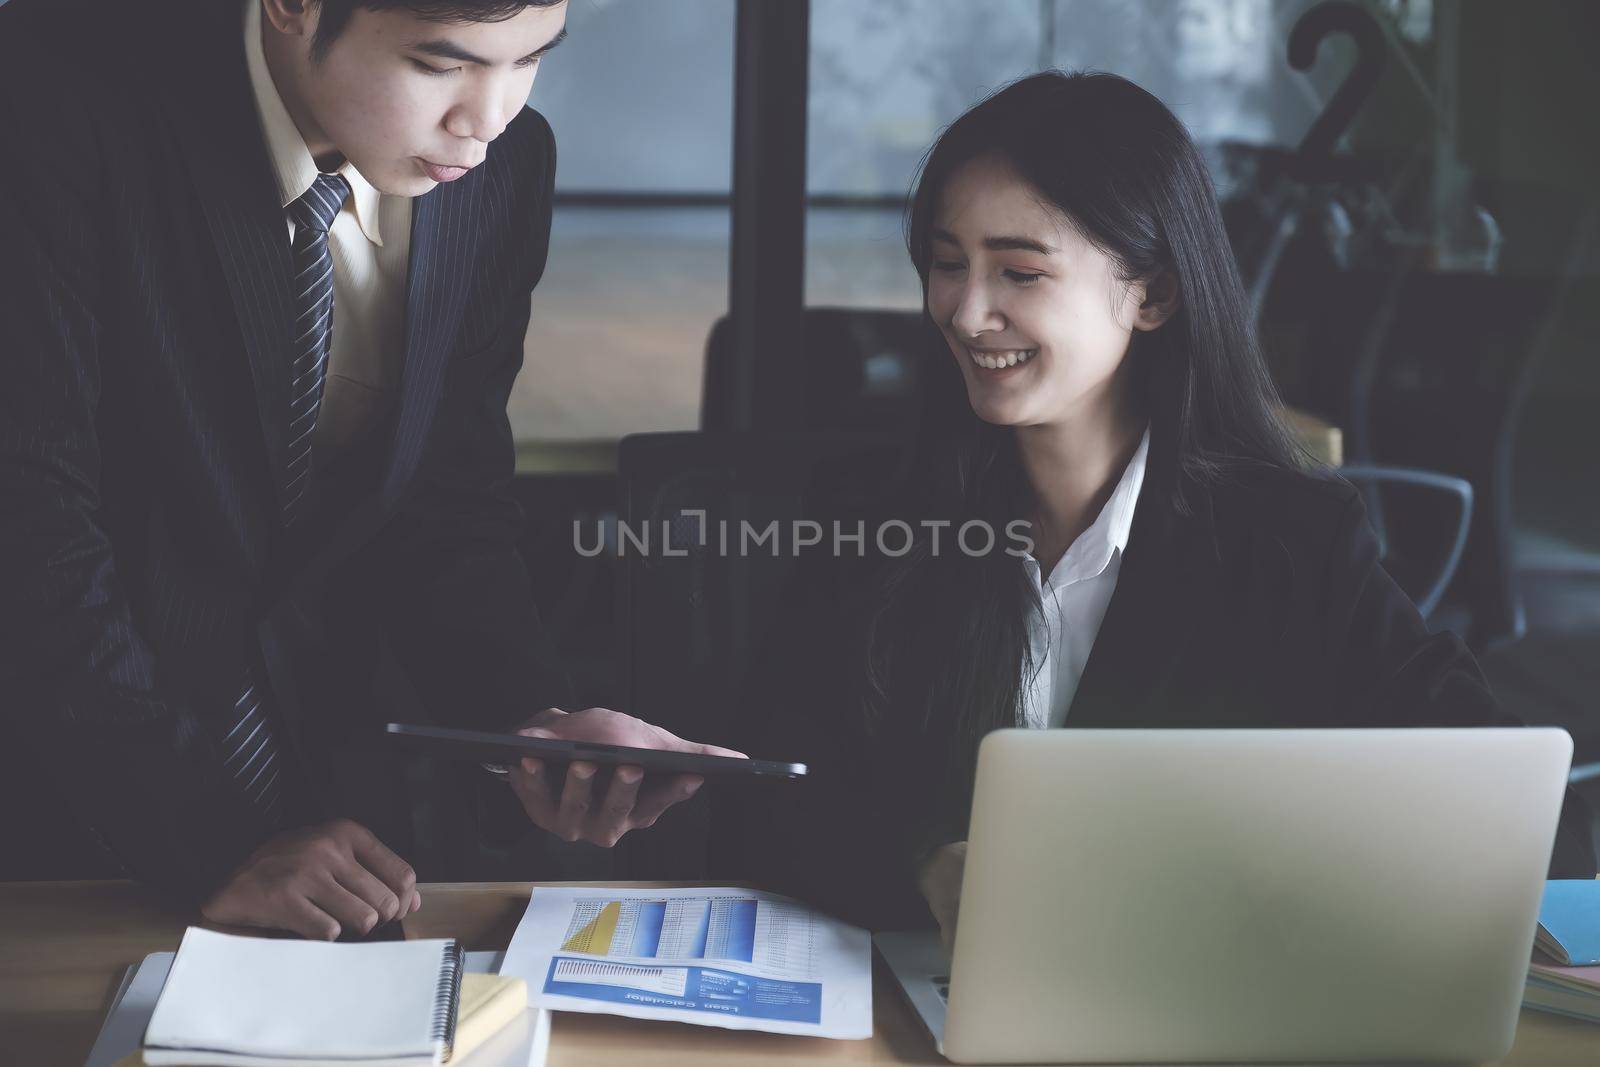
(336, 14)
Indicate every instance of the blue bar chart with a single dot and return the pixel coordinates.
(720, 928)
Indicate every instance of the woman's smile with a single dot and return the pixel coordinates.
(1000, 359)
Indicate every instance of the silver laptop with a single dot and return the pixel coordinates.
(1244, 895)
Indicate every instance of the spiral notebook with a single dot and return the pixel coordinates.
(252, 1002)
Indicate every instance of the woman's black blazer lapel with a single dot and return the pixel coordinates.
(1169, 568)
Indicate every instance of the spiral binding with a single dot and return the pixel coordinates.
(447, 1003)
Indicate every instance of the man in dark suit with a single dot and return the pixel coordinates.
(264, 288)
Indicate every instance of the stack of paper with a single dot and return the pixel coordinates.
(1568, 982)
(1573, 991)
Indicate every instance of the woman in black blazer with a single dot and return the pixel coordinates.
(1185, 566)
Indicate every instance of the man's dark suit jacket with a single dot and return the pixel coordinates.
(145, 304)
(1263, 604)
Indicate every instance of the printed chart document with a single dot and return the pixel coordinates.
(734, 958)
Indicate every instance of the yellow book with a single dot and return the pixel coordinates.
(488, 1003)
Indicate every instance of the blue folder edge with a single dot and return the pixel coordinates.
(1570, 915)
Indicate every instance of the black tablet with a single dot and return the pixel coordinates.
(483, 747)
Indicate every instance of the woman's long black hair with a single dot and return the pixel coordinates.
(947, 633)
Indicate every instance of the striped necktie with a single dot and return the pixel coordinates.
(249, 742)
(312, 214)
(250, 749)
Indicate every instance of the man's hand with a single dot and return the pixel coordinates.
(629, 803)
(940, 882)
(318, 881)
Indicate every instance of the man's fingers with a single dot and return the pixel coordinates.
(349, 911)
(378, 858)
(629, 801)
(657, 797)
(532, 786)
(616, 811)
(577, 798)
(382, 898)
(531, 728)
(304, 917)
(607, 727)
(673, 743)
(718, 750)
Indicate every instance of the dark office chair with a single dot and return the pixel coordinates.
(1426, 587)
(1426, 371)
(863, 370)
(1447, 392)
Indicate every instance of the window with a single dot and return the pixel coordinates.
(641, 100)
(887, 75)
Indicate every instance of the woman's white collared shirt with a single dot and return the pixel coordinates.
(1074, 600)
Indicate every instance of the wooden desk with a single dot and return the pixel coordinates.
(64, 945)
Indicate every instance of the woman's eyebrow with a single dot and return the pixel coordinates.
(1000, 244)
(1017, 244)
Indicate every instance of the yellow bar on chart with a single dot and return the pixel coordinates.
(594, 937)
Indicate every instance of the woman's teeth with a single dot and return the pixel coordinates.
(997, 360)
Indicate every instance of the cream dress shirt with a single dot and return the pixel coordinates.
(1074, 600)
(370, 240)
